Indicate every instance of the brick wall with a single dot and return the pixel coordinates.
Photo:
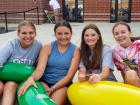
(135, 10)
(97, 10)
(24, 5)
(100, 10)
(20, 6)
(94, 10)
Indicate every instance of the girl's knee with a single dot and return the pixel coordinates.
(60, 96)
(10, 85)
(131, 75)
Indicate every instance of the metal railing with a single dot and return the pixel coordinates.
(24, 16)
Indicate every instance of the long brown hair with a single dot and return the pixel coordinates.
(96, 59)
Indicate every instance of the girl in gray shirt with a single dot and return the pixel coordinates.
(96, 59)
(22, 50)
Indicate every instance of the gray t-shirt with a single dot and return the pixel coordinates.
(13, 52)
(106, 61)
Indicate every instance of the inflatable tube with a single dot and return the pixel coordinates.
(35, 96)
(103, 93)
(15, 72)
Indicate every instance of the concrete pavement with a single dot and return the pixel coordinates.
(45, 32)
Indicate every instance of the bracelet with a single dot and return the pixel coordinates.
(53, 89)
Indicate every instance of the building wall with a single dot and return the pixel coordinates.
(100, 10)
(11, 6)
(135, 10)
(97, 10)
(94, 10)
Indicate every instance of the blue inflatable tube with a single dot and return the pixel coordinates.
(35, 96)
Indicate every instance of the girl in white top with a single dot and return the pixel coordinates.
(56, 9)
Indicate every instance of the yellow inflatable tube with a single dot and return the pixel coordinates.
(103, 93)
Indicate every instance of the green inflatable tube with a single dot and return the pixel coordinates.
(35, 96)
(15, 72)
